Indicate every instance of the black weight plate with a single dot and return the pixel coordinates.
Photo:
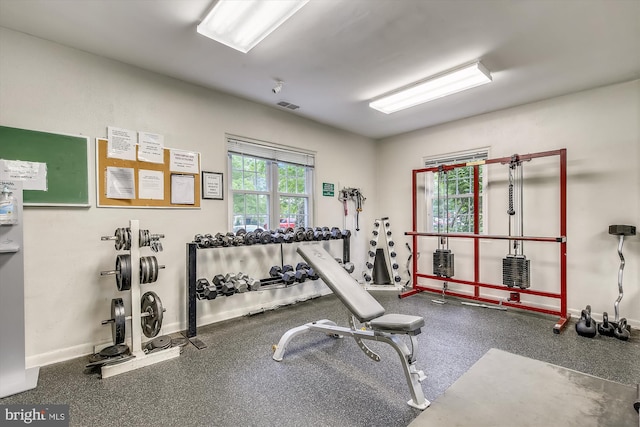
(114, 350)
(144, 270)
(163, 341)
(119, 321)
(123, 277)
(154, 269)
(151, 304)
(127, 239)
(119, 241)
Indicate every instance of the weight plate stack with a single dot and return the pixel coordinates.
(114, 350)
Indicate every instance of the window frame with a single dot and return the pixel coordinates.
(431, 192)
(274, 156)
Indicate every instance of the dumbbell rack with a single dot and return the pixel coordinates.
(141, 359)
(192, 278)
(382, 227)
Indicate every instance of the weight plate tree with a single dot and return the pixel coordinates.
(133, 271)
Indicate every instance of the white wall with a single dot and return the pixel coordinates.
(45, 86)
(49, 87)
(600, 129)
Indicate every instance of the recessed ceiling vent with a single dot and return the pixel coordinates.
(288, 105)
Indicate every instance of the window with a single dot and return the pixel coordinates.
(450, 194)
(271, 187)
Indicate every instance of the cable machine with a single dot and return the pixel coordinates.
(515, 265)
(443, 265)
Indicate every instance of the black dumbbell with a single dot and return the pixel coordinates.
(336, 233)
(218, 281)
(298, 275)
(201, 285)
(263, 236)
(586, 327)
(367, 278)
(285, 274)
(223, 239)
(249, 238)
(310, 272)
(210, 292)
(212, 241)
(298, 235)
(309, 234)
(277, 237)
(227, 284)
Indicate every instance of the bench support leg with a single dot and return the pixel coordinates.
(279, 349)
(407, 357)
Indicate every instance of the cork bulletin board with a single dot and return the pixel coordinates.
(103, 162)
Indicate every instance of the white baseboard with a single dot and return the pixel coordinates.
(61, 355)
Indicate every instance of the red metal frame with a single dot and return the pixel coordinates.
(476, 236)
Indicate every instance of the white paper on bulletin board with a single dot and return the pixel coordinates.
(182, 189)
(120, 183)
(150, 184)
(183, 161)
(121, 143)
(150, 147)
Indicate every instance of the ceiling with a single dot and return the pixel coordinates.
(335, 55)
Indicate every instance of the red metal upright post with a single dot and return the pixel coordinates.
(476, 228)
(564, 316)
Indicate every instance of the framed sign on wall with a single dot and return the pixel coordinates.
(212, 185)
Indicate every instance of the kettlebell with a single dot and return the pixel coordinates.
(606, 328)
(586, 327)
(621, 332)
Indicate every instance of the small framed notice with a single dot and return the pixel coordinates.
(212, 187)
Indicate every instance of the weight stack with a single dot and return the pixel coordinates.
(380, 270)
(515, 271)
(443, 263)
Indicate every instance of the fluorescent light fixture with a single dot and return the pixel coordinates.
(242, 24)
(436, 87)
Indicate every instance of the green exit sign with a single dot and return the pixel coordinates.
(328, 189)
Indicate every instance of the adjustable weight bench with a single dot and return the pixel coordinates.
(388, 328)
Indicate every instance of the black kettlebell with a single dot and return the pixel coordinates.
(586, 327)
(621, 332)
(606, 328)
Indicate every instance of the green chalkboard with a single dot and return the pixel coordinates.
(66, 158)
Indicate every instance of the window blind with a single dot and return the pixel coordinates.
(269, 152)
(455, 159)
